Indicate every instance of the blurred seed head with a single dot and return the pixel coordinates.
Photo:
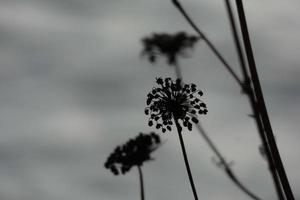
(168, 45)
(133, 153)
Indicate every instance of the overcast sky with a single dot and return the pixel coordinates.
(73, 86)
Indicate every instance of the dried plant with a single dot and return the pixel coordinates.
(167, 125)
(169, 45)
(175, 101)
(133, 153)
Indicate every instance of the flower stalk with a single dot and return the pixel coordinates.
(174, 101)
(141, 182)
(186, 161)
(134, 152)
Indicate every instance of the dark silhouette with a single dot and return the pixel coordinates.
(255, 94)
(133, 153)
(174, 100)
(208, 42)
(169, 45)
(248, 90)
(261, 106)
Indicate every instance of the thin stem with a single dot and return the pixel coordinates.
(223, 162)
(237, 43)
(249, 91)
(141, 182)
(178, 71)
(261, 103)
(186, 159)
(208, 42)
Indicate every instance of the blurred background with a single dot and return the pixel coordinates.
(73, 86)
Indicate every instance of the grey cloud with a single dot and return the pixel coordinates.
(73, 87)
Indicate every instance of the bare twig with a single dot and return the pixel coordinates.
(249, 92)
(224, 164)
(261, 103)
(208, 42)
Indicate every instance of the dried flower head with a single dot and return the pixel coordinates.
(168, 45)
(134, 153)
(174, 99)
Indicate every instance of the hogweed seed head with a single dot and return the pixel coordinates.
(133, 153)
(169, 45)
(174, 99)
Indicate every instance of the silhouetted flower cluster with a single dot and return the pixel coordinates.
(174, 99)
(168, 45)
(134, 153)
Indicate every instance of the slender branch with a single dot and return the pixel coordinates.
(141, 182)
(186, 159)
(178, 71)
(261, 103)
(249, 91)
(224, 164)
(210, 45)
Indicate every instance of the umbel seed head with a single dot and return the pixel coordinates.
(168, 45)
(174, 100)
(133, 153)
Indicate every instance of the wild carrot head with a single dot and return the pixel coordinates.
(133, 153)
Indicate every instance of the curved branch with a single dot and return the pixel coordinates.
(208, 42)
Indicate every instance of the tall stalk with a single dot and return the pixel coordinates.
(248, 90)
(141, 182)
(179, 129)
(261, 103)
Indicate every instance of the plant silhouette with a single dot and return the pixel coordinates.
(168, 45)
(221, 159)
(133, 153)
(175, 101)
(260, 106)
(251, 87)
